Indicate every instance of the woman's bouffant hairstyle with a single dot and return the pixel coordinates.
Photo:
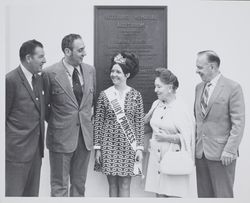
(128, 62)
(167, 77)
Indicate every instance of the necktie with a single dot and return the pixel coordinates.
(77, 88)
(35, 87)
(204, 99)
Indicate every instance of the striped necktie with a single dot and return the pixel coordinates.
(204, 99)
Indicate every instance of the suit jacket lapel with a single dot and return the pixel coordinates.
(41, 93)
(62, 79)
(86, 80)
(199, 95)
(218, 88)
(27, 86)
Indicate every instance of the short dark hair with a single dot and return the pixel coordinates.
(211, 56)
(131, 64)
(67, 41)
(167, 77)
(28, 47)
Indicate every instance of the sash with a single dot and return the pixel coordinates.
(120, 116)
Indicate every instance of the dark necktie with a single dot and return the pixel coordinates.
(35, 87)
(77, 88)
(204, 99)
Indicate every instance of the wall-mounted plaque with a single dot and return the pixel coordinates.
(139, 29)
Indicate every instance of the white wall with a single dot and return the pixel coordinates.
(192, 26)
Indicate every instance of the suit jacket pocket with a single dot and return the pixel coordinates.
(220, 101)
(58, 95)
(221, 140)
(219, 107)
(57, 91)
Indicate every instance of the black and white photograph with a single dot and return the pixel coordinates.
(126, 99)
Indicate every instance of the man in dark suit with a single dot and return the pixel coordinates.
(25, 122)
(70, 87)
(220, 121)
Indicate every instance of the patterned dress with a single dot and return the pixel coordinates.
(118, 157)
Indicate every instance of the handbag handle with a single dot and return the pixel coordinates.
(183, 144)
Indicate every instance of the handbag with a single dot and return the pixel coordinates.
(177, 162)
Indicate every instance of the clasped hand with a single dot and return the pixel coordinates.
(162, 136)
(98, 155)
(227, 158)
(138, 155)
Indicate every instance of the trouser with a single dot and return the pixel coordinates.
(214, 179)
(69, 166)
(23, 179)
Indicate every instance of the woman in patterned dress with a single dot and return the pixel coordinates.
(118, 147)
(170, 122)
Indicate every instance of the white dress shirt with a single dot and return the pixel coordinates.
(69, 70)
(213, 83)
(27, 74)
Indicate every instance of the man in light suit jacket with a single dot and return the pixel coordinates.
(70, 87)
(220, 120)
(25, 112)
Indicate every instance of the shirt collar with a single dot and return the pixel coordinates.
(70, 68)
(215, 80)
(26, 72)
(171, 104)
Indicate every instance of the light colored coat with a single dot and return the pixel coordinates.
(221, 129)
